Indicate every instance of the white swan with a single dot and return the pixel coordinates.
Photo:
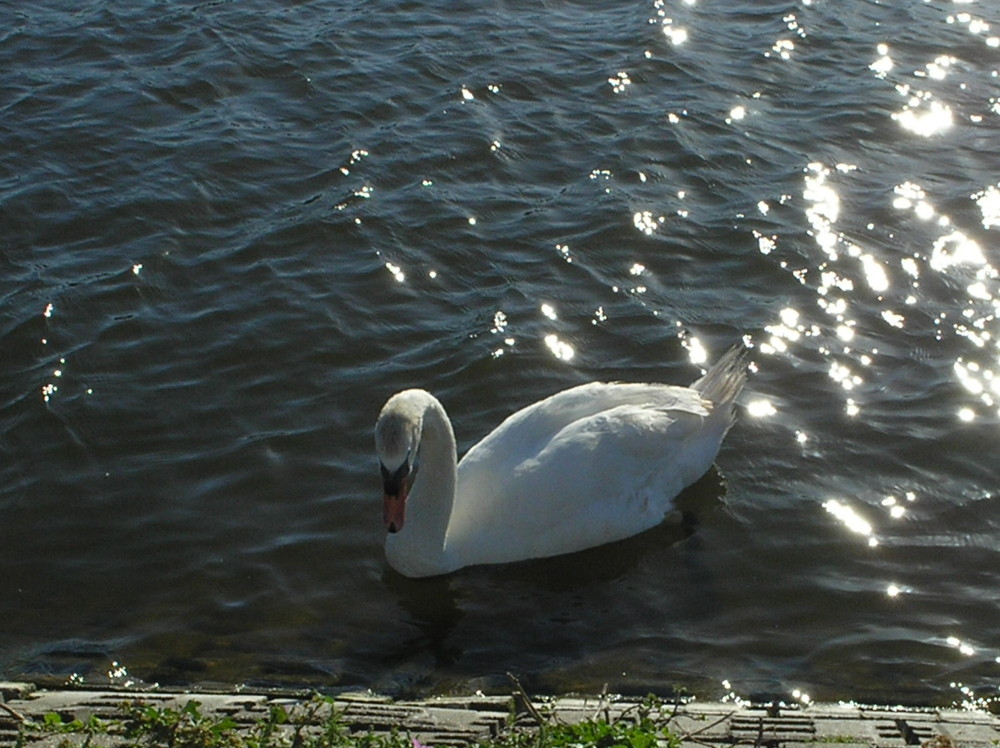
(586, 466)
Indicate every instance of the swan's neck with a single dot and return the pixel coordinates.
(419, 548)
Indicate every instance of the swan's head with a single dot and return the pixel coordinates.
(397, 439)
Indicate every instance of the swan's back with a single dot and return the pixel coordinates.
(589, 465)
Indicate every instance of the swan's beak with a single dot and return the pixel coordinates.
(394, 497)
(394, 511)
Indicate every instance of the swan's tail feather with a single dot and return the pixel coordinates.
(722, 383)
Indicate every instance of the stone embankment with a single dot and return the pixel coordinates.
(466, 721)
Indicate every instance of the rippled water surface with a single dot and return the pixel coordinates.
(230, 230)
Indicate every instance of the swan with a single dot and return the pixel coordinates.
(592, 464)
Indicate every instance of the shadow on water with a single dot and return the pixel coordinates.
(432, 606)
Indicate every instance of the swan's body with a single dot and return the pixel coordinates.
(586, 466)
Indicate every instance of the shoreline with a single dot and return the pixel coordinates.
(464, 721)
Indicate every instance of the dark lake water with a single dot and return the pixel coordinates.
(230, 230)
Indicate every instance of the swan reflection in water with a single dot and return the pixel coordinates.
(587, 466)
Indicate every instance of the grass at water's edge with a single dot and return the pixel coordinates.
(317, 723)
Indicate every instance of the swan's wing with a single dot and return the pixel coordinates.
(529, 430)
(590, 465)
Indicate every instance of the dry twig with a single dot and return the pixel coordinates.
(14, 713)
(526, 700)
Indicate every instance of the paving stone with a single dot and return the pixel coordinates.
(10, 690)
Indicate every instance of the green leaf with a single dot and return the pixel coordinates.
(279, 715)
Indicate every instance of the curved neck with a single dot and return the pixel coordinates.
(419, 548)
